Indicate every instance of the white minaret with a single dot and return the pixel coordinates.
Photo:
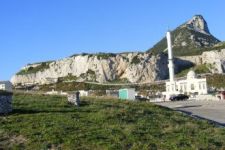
(170, 57)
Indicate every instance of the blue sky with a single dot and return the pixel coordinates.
(40, 30)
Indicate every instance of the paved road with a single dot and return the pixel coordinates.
(210, 110)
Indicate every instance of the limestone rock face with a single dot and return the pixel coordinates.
(215, 58)
(134, 67)
(199, 24)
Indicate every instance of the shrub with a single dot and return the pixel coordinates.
(69, 77)
(135, 60)
(105, 55)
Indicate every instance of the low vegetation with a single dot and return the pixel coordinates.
(89, 76)
(43, 66)
(69, 77)
(190, 49)
(99, 55)
(82, 54)
(216, 80)
(105, 55)
(199, 69)
(152, 87)
(74, 86)
(120, 80)
(49, 122)
(135, 60)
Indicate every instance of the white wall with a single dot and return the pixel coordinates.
(184, 87)
(131, 94)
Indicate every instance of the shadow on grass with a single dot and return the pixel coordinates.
(189, 106)
(30, 111)
(69, 109)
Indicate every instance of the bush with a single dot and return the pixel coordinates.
(135, 60)
(69, 77)
(105, 55)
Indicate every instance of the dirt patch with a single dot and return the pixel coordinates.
(7, 142)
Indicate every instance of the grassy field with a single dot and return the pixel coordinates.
(49, 122)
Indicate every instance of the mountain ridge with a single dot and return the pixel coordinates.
(190, 38)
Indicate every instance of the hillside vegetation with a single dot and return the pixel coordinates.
(49, 122)
(199, 69)
(30, 70)
(74, 86)
(184, 34)
(216, 80)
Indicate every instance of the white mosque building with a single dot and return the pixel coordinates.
(192, 85)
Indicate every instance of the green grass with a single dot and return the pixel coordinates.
(49, 122)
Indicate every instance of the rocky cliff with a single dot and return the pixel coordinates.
(191, 38)
(131, 67)
(215, 59)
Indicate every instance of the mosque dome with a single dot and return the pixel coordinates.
(191, 75)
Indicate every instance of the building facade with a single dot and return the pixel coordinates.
(6, 86)
(192, 84)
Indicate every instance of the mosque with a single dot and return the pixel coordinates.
(192, 84)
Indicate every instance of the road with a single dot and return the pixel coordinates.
(211, 110)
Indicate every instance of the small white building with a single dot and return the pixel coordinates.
(6, 86)
(84, 93)
(192, 85)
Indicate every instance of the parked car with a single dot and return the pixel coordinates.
(179, 97)
(140, 98)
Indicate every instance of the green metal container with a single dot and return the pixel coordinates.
(123, 94)
(127, 94)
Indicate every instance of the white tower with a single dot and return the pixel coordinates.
(170, 57)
